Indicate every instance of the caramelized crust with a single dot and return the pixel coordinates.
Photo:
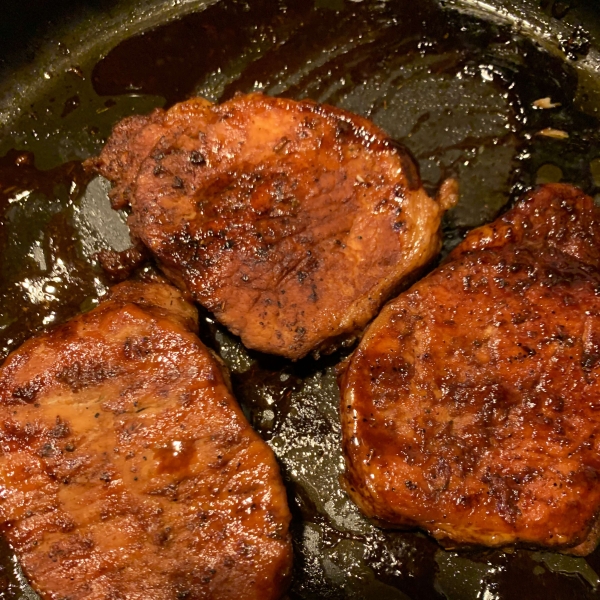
(471, 408)
(291, 221)
(127, 469)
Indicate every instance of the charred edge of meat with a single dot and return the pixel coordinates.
(119, 266)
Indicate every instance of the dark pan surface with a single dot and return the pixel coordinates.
(457, 87)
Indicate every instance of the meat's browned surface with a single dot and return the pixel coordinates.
(291, 221)
(127, 470)
(471, 408)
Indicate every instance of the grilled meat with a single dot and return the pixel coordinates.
(471, 408)
(291, 221)
(127, 470)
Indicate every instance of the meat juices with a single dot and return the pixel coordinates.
(471, 408)
(292, 222)
(127, 468)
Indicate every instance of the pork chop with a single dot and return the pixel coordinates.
(127, 469)
(471, 408)
(291, 221)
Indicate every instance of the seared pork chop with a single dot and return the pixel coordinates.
(291, 221)
(127, 470)
(471, 408)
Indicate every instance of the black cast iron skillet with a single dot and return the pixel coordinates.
(457, 81)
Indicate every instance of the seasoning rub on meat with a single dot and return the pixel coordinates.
(293, 222)
(127, 469)
(471, 408)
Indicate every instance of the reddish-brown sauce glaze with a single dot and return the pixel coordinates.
(127, 468)
(291, 221)
(471, 407)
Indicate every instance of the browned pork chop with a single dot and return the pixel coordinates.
(291, 221)
(127, 470)
(471, 408)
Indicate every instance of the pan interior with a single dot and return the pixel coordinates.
(472, 96)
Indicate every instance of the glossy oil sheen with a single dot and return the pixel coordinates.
(457, 90)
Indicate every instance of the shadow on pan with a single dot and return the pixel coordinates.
(458, 82)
